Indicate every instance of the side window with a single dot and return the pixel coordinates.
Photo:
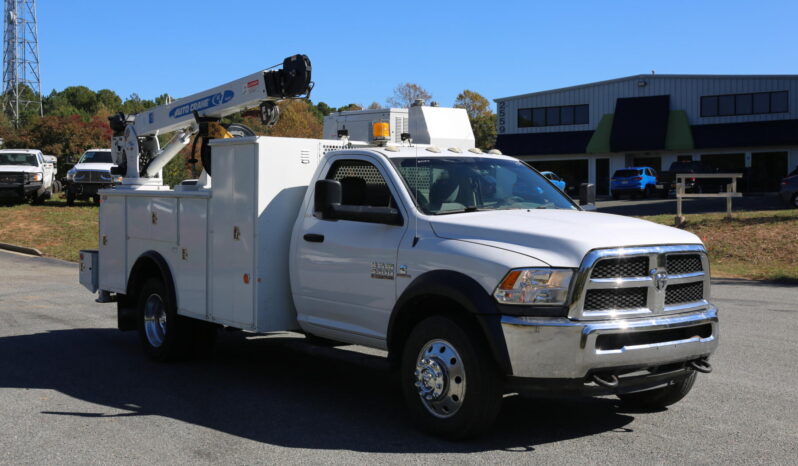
(361, 184)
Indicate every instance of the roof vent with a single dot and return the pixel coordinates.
(495, 152)
(433, 149)
(417, 103)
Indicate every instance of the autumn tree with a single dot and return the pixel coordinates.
(405, 94)
(375, 106)
(482, 118)
(296, 121)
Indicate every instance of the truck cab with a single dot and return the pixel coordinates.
(25, 175)
(90, 174)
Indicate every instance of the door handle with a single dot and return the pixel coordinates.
(313, 238)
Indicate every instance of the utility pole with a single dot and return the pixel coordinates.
(22, 84)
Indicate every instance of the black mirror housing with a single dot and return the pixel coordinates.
(326, 193)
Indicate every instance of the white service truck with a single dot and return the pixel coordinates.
(476, 275)
(25, 175)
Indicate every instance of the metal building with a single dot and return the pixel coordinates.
(745, 124)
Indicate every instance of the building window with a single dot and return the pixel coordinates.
(744, 104)
(553, 116)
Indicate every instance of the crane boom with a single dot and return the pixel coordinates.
(135, 135)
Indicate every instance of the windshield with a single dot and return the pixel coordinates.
(96, 157)
(626, 173)
(466, 184)
(18, 159)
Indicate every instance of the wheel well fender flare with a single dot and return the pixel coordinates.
(148, 264)
(455, 287)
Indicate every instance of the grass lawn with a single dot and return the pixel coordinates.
(758, 245)
(53, 228)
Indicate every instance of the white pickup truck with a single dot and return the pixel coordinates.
(25, 175)
(476, 275)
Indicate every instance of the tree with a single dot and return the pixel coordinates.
(375, 106)
(296, 121)
(482, 118)
(405, 94)
(350, 107)
(474, 104)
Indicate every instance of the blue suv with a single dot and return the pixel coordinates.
(635, 181)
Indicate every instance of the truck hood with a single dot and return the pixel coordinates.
(104, 167)
(19, 169)
(560, 238)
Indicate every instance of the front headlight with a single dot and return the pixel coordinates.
(71, 174)
(535, 286)
(36, 177)
(118, 178)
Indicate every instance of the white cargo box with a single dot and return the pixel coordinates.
(88, 269)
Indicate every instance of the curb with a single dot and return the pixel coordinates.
(21, 249)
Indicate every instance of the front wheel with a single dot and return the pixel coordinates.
(660, 397)
(795, 200)
(70, 197)
(451, 386)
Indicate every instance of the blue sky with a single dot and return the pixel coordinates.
(361, 50)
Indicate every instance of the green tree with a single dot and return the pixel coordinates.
(405, 94)
(482, 118)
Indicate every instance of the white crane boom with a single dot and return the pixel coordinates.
(136, 135)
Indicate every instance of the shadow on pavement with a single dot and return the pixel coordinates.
(265, 390)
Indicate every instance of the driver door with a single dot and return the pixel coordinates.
(346, 269)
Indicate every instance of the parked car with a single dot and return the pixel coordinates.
(89, 175)
(555, 179)
(25, 175)
(53, 161)
(667, 179)
(633, 181)
(789, 188)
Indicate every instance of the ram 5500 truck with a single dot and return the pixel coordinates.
(475, 274)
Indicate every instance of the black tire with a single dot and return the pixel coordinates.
(648, 192)
(70, 198)
(795, 201)
(661, 397)
(96, 199)
(165, 336)
(472, 411)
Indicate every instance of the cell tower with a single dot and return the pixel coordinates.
(22, 84)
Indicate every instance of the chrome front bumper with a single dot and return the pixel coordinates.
(567, 349)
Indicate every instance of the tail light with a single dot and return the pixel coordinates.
(692, 179)
(637, 178)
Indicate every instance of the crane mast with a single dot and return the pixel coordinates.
(135, 145)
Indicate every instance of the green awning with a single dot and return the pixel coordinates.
(679, 135)
(600, 141)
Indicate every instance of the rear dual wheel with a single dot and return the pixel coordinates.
(451, 386)
(164, 334)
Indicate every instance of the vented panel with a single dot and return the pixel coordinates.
(678, 264)
(684, 293)
(623, 298)
(622, 267)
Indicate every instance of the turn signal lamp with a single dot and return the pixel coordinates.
(534, 286)
(381, 130)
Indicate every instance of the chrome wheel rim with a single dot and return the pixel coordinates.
(440, 378)
(155, 320)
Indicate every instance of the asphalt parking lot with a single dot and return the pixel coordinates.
(74, 390)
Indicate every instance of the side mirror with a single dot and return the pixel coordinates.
(327, 206)
(326, 193)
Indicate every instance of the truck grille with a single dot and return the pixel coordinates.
(93, 176)
(619, 298)
(655, 280)
(12, 178)
(678, 264)
(621, 267)
(684, 293)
